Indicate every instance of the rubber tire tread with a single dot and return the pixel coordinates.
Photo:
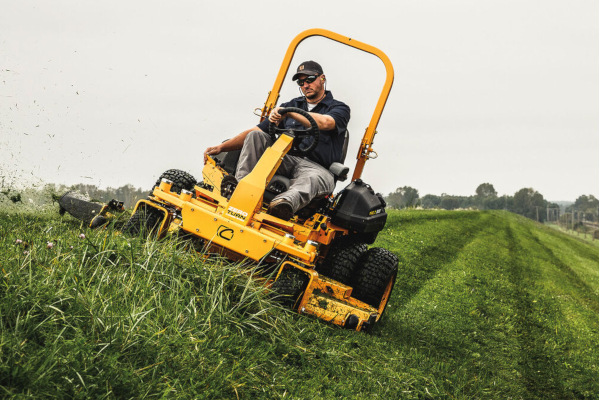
(378, 267)
(342, 259)
(181, 180)
(290, 286)
(145, 221)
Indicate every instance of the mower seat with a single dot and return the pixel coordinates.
(228, 160)
(338, 169)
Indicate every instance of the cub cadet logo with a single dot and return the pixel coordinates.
(225, 232)
(235, 213)
(376, 211)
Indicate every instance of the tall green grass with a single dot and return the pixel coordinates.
(486, 305)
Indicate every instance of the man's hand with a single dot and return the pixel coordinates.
(324, 122)
(212, 151)
(275, 117)
(234, 143)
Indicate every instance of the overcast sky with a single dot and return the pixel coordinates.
(115, 92)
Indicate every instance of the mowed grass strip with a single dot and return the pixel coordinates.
(486, 305)
(514, 310)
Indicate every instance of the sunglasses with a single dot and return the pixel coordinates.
(308, 79)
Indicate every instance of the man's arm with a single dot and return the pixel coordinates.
(235, 143)
(324, 122)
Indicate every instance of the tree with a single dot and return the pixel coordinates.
(485, 196)
(402, 197)
(530, 204)
(486, 190)
(431, 201)
(449, 202)
(588, 205)
(128, 194)
(498, 203)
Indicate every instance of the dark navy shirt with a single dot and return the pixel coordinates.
(329, 148)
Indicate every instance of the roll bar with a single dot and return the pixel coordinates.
(365, 150)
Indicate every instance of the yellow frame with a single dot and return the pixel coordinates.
(365, 149)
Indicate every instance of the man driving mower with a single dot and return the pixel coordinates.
(309, 175)
(322, 262)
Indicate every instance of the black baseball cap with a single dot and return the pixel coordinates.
(308, 68)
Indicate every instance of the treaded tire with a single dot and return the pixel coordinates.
(290, 286)
(181, 180)
(145, 221)
(379, 266)
(341, 259)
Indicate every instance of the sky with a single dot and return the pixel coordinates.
(116, 92)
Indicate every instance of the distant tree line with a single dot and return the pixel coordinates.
(527, 202)
(51, 192)
(128, 194)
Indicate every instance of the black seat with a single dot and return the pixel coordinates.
(345, 146)
(228, 160)
(338, 169)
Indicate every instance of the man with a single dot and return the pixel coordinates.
(309, 176)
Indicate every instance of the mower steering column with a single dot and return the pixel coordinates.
(248, 194)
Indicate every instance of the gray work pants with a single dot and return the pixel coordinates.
(308, 180)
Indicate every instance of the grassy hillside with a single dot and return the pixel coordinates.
(486, 305)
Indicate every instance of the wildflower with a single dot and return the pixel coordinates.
(71, 247)
(19, 241)
(50, 245)
(81, 236)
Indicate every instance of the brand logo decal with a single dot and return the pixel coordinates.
(374, 212)
(225, 232)
(238, 214)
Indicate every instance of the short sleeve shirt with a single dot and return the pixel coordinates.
(331, 143)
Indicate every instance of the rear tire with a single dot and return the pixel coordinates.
(373, 280)
(181, 180)
(341, 259)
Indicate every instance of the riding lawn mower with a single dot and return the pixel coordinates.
(320, 260)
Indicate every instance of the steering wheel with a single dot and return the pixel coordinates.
(299, 134)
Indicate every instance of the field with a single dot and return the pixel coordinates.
(487, 305)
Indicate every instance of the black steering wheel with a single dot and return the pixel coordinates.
(299, 134)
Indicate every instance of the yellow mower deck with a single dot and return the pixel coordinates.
(246, 230)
